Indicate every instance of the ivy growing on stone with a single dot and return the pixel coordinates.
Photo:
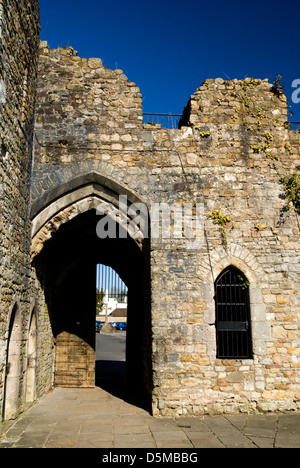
(292, 187)
(221, 220)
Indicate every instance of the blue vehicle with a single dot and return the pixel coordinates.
(121, 326)
(99, 325)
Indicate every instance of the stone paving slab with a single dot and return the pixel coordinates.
(93, 418)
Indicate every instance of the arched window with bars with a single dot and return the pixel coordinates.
(233, 321)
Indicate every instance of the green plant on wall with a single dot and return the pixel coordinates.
(292, 188)
(278, 88)
(291, 182)
(221, 220)
(244, 281)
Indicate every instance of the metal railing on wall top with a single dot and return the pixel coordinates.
(169, 121)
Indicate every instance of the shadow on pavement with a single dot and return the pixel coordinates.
(110, 376)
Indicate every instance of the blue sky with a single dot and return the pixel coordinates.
(169, 47)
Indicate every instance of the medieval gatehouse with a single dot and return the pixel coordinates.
(200, 221)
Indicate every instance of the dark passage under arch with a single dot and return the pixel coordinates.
(66, 267)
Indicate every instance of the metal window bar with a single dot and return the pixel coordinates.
(233, 327)
(108, 281)
(169, 121)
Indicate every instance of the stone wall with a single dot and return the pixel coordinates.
(241, 150)
(234, 156)
(90, 107)
(19, 42)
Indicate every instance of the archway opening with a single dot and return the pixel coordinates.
(111, 329)
(66, 267)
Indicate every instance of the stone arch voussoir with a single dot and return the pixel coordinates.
(63, 205)
(237, 256)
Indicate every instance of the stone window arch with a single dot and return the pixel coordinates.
(243, 260)
(233, 318)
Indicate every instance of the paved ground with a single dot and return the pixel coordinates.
(94, 418)
(100, 418)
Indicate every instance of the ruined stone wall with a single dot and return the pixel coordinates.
(82, 104)
(19, 41)
(238, 153)
(235, 157)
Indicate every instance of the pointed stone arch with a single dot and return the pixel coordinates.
(64, 242)
(13, 367)
(242, 259)
(64, 180)
(79, 195)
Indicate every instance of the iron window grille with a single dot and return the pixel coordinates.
(233, 323)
